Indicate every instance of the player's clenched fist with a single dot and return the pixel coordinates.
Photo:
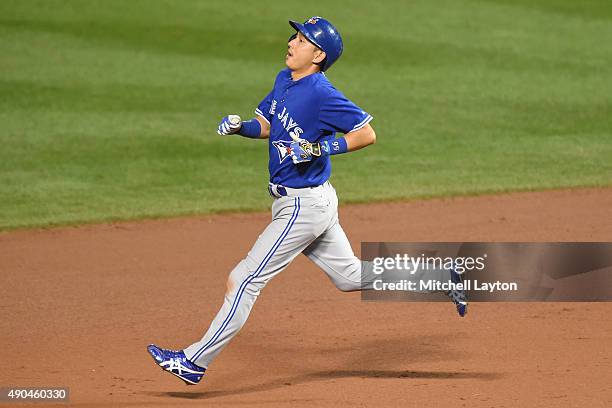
(229, 125)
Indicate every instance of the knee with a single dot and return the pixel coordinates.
(237, 276)
(349, 279)
(230, 285)
(242, 279)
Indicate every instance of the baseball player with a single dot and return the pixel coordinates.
(300, 118)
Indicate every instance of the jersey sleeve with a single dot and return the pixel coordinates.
(338, 114)
(263, 109)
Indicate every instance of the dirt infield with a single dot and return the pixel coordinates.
(79, 305)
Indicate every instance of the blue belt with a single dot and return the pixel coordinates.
(277, 190)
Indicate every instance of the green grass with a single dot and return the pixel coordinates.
(108, 110)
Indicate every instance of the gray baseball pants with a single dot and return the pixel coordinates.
(305, 221)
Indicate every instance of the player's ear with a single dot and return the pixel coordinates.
(319, 56)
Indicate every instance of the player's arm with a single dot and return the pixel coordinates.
(361, 138)
(256, 128)
(355, 140)
(337, 114)
(303, 151)
(265, 127)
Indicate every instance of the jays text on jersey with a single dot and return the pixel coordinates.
(312, 109)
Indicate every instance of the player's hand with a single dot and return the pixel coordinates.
(303, 151)
(229, 125)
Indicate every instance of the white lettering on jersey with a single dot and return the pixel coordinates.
(273, 107)
(293, 128)
(284, 120)
(292, 124)
(296, 132)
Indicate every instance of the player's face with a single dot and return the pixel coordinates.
(301, 53)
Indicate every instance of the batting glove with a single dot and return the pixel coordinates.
(303, 151)
(229, 125)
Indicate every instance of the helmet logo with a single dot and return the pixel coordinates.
(312, 20)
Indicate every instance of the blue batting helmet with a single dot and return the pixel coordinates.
(324, 35)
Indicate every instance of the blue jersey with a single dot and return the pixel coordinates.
(311, 109)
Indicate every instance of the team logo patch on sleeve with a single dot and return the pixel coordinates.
(284, 149)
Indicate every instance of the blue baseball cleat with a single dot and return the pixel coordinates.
(458, 297)
(176, 363)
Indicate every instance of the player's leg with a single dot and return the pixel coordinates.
(332, 252)
(292, 229)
